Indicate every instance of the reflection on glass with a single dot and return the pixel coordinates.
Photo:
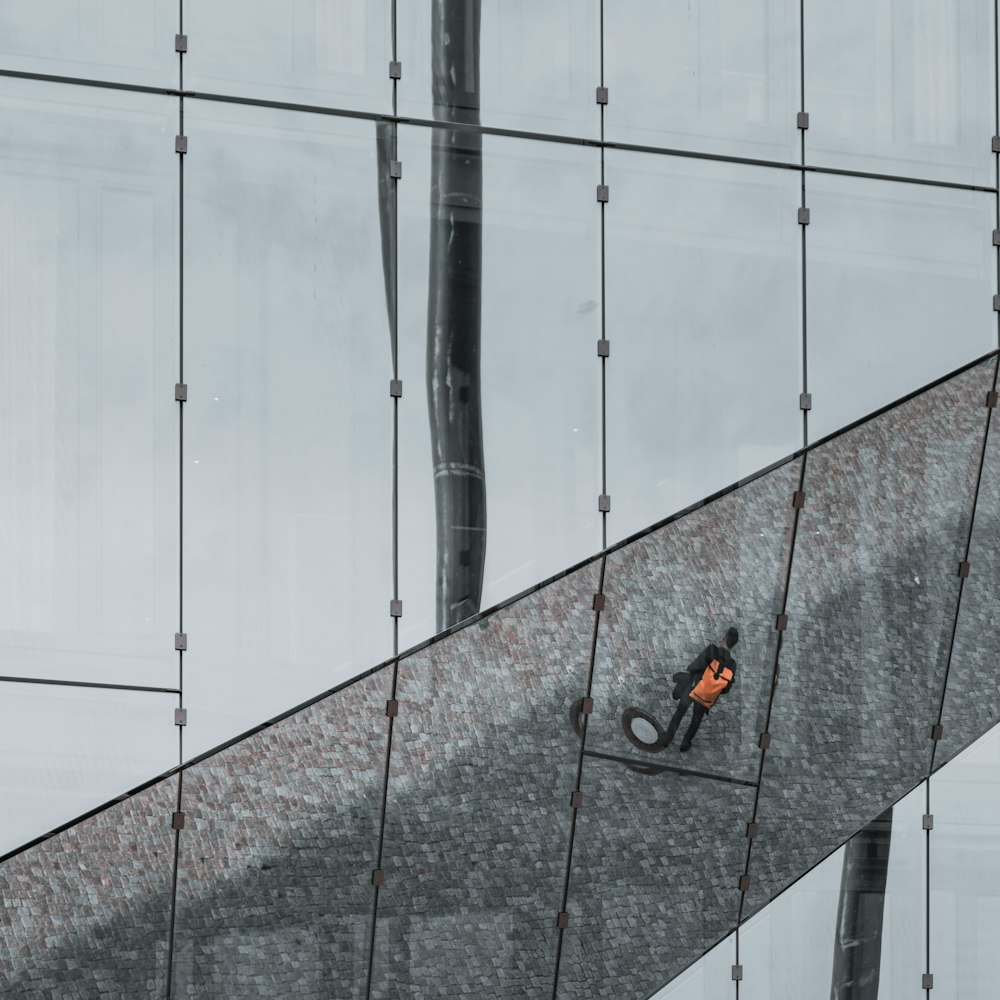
(539, 62)
(871, 599)
(274, 880)
(703, 313)
(901, 88)
(537, 371)
(656, 862)
(709, 978)
(970, 703)
(478, 814)
(91, 907)
(288, 424)
(88, 424)
(965, 872)
(677, 589)
(304, 51)
(98, 40)
(718, 76)
(891, 266)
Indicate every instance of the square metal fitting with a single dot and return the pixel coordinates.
(996, 302)
(805, 401)
(737, 973)
(378, 876)
(603, 194)
(587, 706)
(802, 119)
(963, 570)
(991, 399)
(781, 623)
(798, 499)
(928, 821)
(602, 95)
(996, 237)
(181, 392)
(927, 982)
(803, 216)
(604, 348)
(744, 883)
(395, 70)
(177, 821)
(995, 145)
(396, 387)
(392, 708)
(180, 43)
(180, 716)
(576, 799)
(180, 640)
(396, 169)
(562, 921)
(396, 609)
(604, 503)
(751, 831)
(599, 602)
(937, 733)
(765, 741)
(180, 143)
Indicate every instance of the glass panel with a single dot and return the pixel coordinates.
(334, 54)
(288, 428)
(704, 315)
(88, 446)
(65, 750)
(478, 819)
(891, 266)
(537, 370)
(710, 978)
(719, 76)
(87, 913)
(656, 863)
(96, 39)
(970, 703)
(965, 873)
(539, 64)
(274, 880)
(901, 88)
(871, 606)
(856, 918)
(674, 591)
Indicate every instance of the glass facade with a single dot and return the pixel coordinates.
(398, 397)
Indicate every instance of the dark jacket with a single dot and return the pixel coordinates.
(704, 659)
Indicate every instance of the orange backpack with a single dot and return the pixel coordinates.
(713, 682)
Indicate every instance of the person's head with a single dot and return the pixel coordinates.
(732, 637)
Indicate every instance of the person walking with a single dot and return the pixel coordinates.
(711, 673)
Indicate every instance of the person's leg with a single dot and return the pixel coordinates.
(697, 715)
(675, 721)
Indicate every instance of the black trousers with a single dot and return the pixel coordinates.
(698, 713)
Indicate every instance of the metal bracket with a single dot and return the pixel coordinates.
(180, 640)
(765, 741)
(604, 348)
(562, 921)
(599, 602)
(181, 392)
(180, 43)
(587, 706)
(963, 570)
(395, 70)
(751, 831)
(180, 144)
(576, 799)
(378, 876)
(396, 169)
(995, 145)
(928, 821)
(996, 303)
(803, 216)
(396, 387)
(798, 499)
(604, 503)
(180, 716)
(602, 95)
(603, 193)
(991, 399)
(396, 609)
(392, 708)
(744, 883)
(805, 401)
(996, 237)
(937, 733)
(802, 120)
(781, 623)
(737, 973)
(177, 821)
(927, 982)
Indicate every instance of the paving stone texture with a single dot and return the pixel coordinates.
(87, 913)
